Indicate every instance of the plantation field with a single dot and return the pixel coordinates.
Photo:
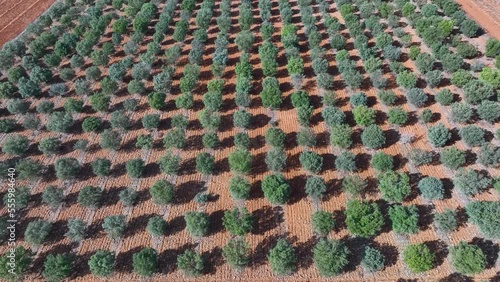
(357, 140)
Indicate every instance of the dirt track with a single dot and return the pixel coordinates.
(485, 12)
(16, 15)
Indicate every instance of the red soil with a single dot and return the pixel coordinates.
(16, 15)
(485, 12)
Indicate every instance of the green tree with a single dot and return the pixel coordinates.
(431, 188)
(77, 230)
(145, 262)
(346, 161)
(397, 116)
(191, 263)
(114, 226)
(169, 163)
(364, 116)
(110, 139)
(472, 135)
(57, 267)
(157, 226)
(471, 182)
(162, 192)
(363, 219)
(90, 196)
(238, 221)
(311, 161)
(157, 100)
(37, 231)
(282, 258)
(485, 215)
(373, 260)
(205, 163)
(452, 158)
(373, 137)
(438, 135)
(271, 93)
(240, 161)
(15, 145)
(236, 253)
(322, 222)
(49, 146)
(467, 259)
(382, 161)
(394, 186)
(91, 124)
(276, 189)
(101, 167)
(239, 187)
(52, 196)
(446, 221)
(404, 219)
(67, 168)
(419, 258)
(353, 184)
(102, 263)
(23, 259)
(197, 223)
(21, 197)
(135, 168)
(275, 137)
(330, 257)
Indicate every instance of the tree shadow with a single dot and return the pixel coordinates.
(137, 224)
(212, 259)
(425, 216)
(124, 259)
(297, 185)
(490, 250)
(303, 252)
(216, 225)
(267, 218)
(175, 225)
(186, 191)
(259, 256)
(440, 250)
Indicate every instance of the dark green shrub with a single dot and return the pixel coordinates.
(238, 221)
(145, 262)
(322, 222)
(197, 223)
(404, 219)
(394, 186)
(57, 267)
(373, 137)
(330, 257)
(90, 196)
(363, 219)
(382, 161)
(467, 259)
(446, 221)
(282, 258)
(276, 189)
(162, 192)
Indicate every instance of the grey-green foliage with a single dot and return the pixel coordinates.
(438, 135)
(77, 230)
(472, 135)
(431, 188)
(373, 260)
(446, 221)
(471, 182)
